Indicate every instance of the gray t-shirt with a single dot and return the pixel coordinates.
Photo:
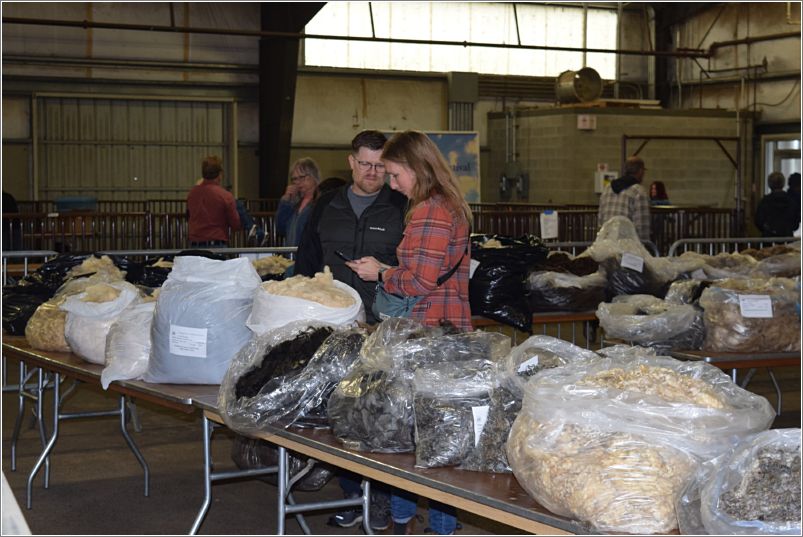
(360, 203)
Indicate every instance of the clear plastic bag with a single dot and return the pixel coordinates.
(756, 488)
(252, 453)
(199, 322)
(686, 291)
(559, 291)
(298, 367)
(652, 322)
(614, 441)
(128, 344)
(728, 330)
(88, 322)
(783, 265)
(372, 410)
(535, 354)
(618, 238)
(451, 408)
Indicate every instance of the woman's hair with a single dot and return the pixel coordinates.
(308, 166)
(415, 150)
(660, 191)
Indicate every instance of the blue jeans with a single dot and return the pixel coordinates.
(442, 517)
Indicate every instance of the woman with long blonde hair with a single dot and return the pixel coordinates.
(436, 235)
(434, 261)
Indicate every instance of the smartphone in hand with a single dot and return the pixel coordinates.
(342, 256)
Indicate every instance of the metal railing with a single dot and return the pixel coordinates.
(728, 245)
(164, 223)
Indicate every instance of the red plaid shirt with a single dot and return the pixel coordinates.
(433, 243)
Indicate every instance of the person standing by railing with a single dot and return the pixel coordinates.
(775, 214)
(296, 203)
(626, 197)
(212, 210)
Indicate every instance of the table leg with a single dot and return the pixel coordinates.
(207, 434)
(24, 377)
(41, 386)
(281, 512)
(366, 507)
(778, 394)
(49, 446)
(132, 445)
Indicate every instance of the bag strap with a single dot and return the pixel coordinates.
(442, 279)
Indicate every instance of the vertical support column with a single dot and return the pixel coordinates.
(278, 70)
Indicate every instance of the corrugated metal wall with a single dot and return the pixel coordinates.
(127, 148)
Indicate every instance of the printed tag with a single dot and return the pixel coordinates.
(527, 364)
(632, 262)
(472, 267)
(549, 224)
(698, 274)
(755, 306)
(186, 341)
(480, 418)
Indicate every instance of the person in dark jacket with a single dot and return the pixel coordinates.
(364, 218)
(793, 190)
(775, 214)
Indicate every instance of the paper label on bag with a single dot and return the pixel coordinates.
(633, 262)
(186, 341)
(698, 274)
(480, 418)
(755, 306)
(527, 364)
(549, 224)
(472, 266)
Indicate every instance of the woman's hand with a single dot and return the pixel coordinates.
(367, 268)
(291, 193)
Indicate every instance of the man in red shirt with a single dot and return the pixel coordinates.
(211, 208)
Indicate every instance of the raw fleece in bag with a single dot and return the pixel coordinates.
(88, 323)
(274, 311)
(199, 322)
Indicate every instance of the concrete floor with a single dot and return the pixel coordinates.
(96, 484)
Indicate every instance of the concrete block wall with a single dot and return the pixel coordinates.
(561, 159)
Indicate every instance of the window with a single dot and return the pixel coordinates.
(493, 23)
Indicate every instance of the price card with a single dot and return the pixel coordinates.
(755, 306)
(473, 264)
(549, 224)
(187, 341)
(480, 419)
(527, 364)
(632, 262)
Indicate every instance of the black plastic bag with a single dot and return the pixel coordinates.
(497, 288)
(52, 273)
(625, 281)
(251, 453)
(19, 304)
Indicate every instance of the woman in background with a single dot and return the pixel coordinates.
(296, 203)
(658, 194)
(436, 238)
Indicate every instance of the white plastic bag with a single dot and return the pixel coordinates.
(274, 311)
(199, 321)
(88, 323)
(128, 344)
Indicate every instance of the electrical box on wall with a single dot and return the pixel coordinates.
(586, 122)
(602, 179)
